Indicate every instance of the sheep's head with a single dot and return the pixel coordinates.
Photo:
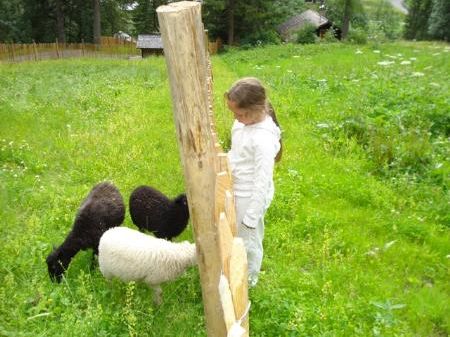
(56, 265)
(182, 204)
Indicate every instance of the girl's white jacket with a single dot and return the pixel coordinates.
(252, 159)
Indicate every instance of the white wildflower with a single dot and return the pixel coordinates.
(413, 58)
(373, 252)
(293, 172)
(376, 51)
(358, 51)
(385, 63)
(405, 62)
(417, 74)
(323, 125)
(389, 244)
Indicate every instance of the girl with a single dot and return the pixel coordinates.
(255, 145)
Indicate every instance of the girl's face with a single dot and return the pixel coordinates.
(242, 115)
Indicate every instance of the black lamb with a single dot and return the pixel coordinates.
(151, 210)
(102, 209)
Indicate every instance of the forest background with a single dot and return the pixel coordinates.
(252, 22)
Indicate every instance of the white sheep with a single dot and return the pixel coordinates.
(134, 256)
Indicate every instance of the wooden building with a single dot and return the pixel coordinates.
(288, 29)
(150, 44)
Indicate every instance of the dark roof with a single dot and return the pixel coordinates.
(298, 21)
(149, 42)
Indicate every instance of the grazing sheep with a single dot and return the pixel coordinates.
(134, 256)
(151, 210)
(102, 209)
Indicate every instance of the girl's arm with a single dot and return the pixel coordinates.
(265, 151)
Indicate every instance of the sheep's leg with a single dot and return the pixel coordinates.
(157, 295)
(94, 260)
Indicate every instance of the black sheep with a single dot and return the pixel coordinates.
(102, 209)
(151, 210)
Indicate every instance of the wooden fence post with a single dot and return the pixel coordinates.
(35, 51)
(57, 48)
(13, 52)
(184, 48)
(222, 259)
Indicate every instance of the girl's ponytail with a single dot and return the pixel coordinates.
(271, 113)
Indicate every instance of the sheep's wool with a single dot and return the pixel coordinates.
(133, 256)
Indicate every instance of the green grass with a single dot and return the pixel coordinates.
(357, 243)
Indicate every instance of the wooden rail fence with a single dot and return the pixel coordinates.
(109, 47)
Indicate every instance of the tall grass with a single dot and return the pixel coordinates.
(354, 246)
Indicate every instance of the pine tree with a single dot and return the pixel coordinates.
(145, 17)
(13, 27)
(439, 20)
(416, 23)
(97, 22)
(247, 21)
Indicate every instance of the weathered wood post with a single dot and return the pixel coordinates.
(222, 259)
(57, 49)
(82, 47)
(35, 53)
(13, 51)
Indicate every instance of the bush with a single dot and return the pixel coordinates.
(329, 37)
(261, 38)
(357, 36)
(307, 35)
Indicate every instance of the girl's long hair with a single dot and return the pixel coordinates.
(271, 113)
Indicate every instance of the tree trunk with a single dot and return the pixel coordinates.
(231, 5)
(346, 19)
(97, 26)
(60, 22)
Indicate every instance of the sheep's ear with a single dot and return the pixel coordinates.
(181, 199)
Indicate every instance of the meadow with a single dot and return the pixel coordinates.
(357, 238)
